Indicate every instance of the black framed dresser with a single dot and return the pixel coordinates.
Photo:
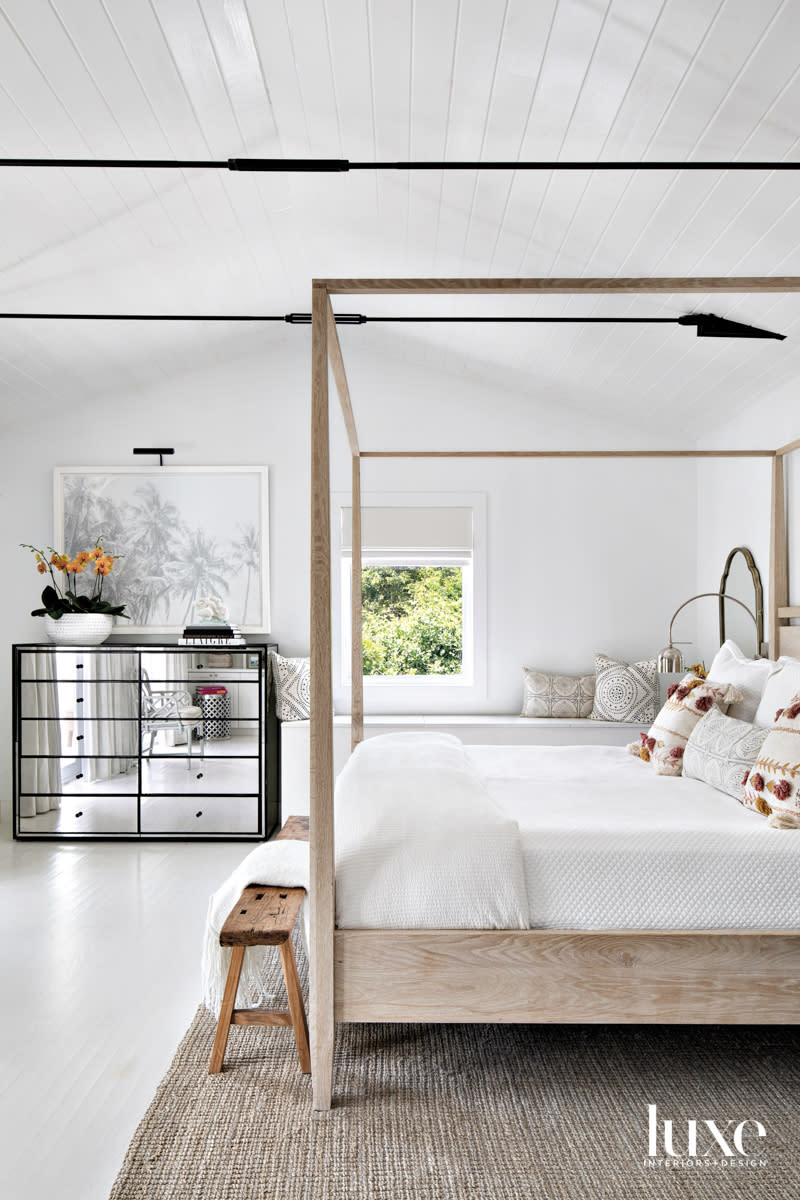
(130, 740)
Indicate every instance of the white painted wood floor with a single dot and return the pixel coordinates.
(99, 978)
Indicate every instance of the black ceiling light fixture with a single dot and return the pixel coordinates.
(710, 325)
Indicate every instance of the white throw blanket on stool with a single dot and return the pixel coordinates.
(281, 863)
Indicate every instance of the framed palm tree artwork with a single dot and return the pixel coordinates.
(184, 533)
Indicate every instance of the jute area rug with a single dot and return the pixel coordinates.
(447, 1112)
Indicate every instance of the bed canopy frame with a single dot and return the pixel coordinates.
(535, 975)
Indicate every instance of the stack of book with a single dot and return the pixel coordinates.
(212, 633)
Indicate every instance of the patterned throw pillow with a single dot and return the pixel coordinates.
(721, 751)
(292, 679)
(624, 691)
(556, 695)
(665, 742)
(773, 785)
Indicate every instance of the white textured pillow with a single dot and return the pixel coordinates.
(721, 751)
(546, 695)
(781, 686)
(292, 679)
(749, 675)
(625, 691)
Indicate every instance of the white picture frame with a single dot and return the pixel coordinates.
(184, 533)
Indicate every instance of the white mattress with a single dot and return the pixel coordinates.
(608, 844)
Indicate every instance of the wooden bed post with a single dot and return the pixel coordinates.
(321, 733)
(778, 567)
(357, 651)
(357, 659)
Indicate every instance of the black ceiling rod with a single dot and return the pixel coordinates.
(335, 165)
(707, 324)
(86, 316)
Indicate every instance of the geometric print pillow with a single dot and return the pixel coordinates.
(292, 679)
(721, 751)
(546, 695)
(773, 785)
(624, 691)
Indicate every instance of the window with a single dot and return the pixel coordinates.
(417, 595)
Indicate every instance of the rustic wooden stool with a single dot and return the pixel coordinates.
(264, 916)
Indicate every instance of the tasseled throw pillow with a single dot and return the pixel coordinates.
(773, 785)
(687, 701)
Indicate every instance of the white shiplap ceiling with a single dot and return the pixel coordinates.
(399, 79)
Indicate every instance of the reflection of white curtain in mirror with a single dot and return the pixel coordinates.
(42, 737)
(111, 712)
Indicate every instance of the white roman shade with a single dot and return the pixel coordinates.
(405, 528)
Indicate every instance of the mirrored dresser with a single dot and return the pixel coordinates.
(133, 741)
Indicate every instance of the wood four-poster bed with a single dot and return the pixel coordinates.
(529, 975)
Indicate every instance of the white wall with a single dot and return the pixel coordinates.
(583, 555)
(734, 500)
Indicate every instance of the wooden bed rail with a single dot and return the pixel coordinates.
(554, 976)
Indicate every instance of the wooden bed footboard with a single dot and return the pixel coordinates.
(551, 976)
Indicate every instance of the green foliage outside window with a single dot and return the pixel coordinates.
(412, 620)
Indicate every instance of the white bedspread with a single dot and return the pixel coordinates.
(434, 835)
(608, 844)
(420, 844)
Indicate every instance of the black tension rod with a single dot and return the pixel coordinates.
(335, 165)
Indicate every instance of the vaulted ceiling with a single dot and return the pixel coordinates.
(400, 79)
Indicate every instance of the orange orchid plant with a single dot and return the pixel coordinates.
(58, 599)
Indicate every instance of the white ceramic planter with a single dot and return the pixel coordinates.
(79, 629)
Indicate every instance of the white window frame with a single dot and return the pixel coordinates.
(404, 694)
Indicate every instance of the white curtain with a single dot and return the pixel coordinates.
(41, 735)
(111, 712)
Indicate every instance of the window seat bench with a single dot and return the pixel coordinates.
(476, 729)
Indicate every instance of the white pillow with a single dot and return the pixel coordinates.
(749, 675)
(780, 689)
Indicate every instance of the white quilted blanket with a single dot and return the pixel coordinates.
(420, 843)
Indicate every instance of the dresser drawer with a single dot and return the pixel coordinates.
(200, 815)
(90, 816)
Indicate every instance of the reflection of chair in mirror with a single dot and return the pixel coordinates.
(170, 709)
